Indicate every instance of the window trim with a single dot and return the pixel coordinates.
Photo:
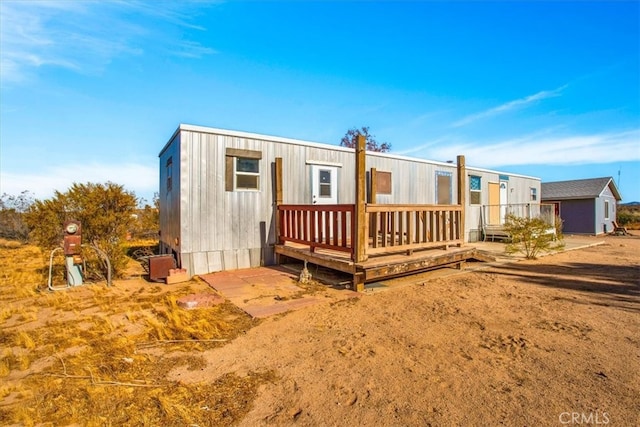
(533, 194)
(231, 170)
(606, 209)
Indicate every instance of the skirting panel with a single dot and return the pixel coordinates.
(213, 261)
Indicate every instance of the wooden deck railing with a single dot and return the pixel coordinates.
(318, 226)
(392, 228)
(395, 228)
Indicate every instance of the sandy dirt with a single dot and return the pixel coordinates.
(553, 341)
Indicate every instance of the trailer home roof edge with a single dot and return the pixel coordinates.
(251, 135)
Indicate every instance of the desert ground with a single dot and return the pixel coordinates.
(552, 341)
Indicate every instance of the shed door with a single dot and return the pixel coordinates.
(324, 185)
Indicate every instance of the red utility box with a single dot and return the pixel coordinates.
(159, 267)
(72, 245)
(72, 241)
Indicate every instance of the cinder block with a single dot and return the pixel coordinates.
(199, 301)
(177, 275)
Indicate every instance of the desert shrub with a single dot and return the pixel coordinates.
(147, 220)
(559, 225)
(104, 210)
(627, 216)
(529, 236)
(12, 210)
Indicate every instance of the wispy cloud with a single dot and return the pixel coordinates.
(85, 36)
(546, 149)
(423, 147)
(189, 49)
(509, 106)
(141, 179)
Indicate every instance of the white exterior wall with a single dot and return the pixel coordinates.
(604, 224)
(170, 202)
(519, 193)
(223, 230)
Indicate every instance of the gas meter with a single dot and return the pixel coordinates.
(74, 263)
(72, 239)
(71, 246)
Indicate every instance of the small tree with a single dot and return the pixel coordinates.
(147, 221)
(104, 210)
(12, 210)
(529, 236)
(349, 140)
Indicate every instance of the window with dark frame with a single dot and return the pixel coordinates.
(475, 190)
(534, 194)
(606, 209)
(169, 168)
(242, 170)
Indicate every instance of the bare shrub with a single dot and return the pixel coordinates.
(531, 236)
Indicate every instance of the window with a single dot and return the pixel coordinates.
(444, 187)
(475, 190)
(606, 209)
(534, 194)
(324, 184)
(247, 174)
(242, 170)
(169, 167)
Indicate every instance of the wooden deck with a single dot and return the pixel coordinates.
(372, 241)
(390, 240)
(383, 266)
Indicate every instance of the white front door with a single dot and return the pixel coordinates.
(324, 185)
(504, 192)
(324, 191)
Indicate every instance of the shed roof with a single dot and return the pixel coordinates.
(578, 189)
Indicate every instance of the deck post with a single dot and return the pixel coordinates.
(362, 230)
(462, 196)
(278, 191)
(373, 181)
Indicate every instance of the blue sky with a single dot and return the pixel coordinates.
(90, 91)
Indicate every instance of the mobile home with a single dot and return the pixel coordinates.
(219, 192)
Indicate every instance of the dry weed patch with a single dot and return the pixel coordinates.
(101, 356)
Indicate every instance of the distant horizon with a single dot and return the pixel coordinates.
(91, 91)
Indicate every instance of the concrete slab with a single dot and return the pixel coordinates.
(496, 249)
(571, 242)
(266, 291)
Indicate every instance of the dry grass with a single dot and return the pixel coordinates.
(94, 355)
